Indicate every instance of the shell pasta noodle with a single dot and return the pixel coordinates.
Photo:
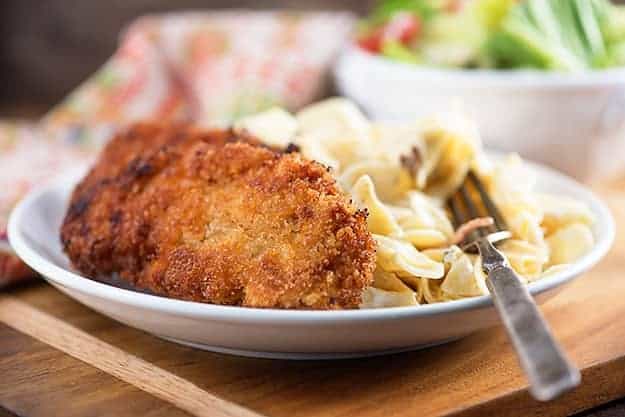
(402, 174)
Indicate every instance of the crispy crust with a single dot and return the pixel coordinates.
(193, 215)
(13, 270)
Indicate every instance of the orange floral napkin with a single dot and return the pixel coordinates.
(200, 66)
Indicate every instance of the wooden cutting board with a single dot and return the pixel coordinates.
(60, 358)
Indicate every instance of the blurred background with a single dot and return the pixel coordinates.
(48, 47)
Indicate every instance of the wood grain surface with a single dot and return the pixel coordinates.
(115, 361)
(75, 364)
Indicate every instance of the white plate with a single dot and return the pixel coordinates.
(34, 235)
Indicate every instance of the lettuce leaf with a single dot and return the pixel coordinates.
(384, 10)
(397, 51)
(568, 35)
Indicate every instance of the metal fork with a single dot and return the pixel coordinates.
(548, 370)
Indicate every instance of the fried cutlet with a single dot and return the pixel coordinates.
(214, 217)
(134, 143)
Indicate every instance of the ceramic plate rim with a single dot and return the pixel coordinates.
(605, 228)
(485, 77)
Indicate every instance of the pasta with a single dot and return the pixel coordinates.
(275, 127)
(569, 243)
(402, 175)
(464, 277)
(380, 220)
(402, 258)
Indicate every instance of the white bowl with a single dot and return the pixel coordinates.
(34, 235)
(574, 122)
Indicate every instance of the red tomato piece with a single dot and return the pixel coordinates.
(402, 27)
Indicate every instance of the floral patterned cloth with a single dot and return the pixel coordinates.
(205, 67)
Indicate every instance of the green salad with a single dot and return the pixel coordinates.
(564, 35)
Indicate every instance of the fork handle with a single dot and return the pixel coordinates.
(548, 370)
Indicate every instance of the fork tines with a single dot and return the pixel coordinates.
(472, 201)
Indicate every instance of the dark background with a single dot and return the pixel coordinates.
(47, 47)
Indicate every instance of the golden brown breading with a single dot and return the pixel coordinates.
(213, 221)
(141, 139)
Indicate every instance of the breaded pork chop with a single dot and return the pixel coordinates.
(138, 141)
(227, 223)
